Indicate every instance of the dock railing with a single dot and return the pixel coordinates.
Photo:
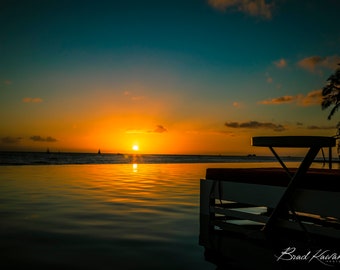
(242, 201)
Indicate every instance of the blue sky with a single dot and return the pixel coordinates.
(211, 73)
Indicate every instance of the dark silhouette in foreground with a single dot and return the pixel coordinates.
(331, 97)
(331, 93)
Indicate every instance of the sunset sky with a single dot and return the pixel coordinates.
(187, 77)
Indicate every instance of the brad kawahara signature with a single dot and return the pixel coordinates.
(324, 256)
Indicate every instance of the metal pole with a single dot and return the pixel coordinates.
(289, 192)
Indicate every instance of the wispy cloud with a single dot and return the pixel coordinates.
(157, 129)
(315, 63)
(256, 8)
(321, 127)
(236, 104)
(280, 63)
(315, 127)
(31, 100)
(132, 96)
(312, 98)
(279, 100)
(256, 125)
(11, 140)
(38, 138)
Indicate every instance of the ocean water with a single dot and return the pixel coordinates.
(103, 216)
(55, 158)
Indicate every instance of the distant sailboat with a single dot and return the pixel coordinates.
(99, 153)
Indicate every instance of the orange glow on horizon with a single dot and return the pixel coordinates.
(140, 135)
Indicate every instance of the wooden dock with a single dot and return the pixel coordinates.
(272, 205)
(236, 204)
(243, 199)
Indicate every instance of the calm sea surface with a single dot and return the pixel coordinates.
(103, 216)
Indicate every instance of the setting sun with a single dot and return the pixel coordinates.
(132, 91)
(135, 147)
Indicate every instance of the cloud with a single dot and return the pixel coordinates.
(31, 100)
(160, 129)
(321, 127)
(279, 100)
(255, 8)
(256, 125)
(315, 127)
(315, 63)
(157, 129)
(42, 139)
(280, 63)
(312, 98)
(11, 140)
(236, 104)
(133, 97)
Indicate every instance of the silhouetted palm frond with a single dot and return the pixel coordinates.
(331, 93)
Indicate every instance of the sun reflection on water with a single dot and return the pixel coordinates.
(135, 167)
